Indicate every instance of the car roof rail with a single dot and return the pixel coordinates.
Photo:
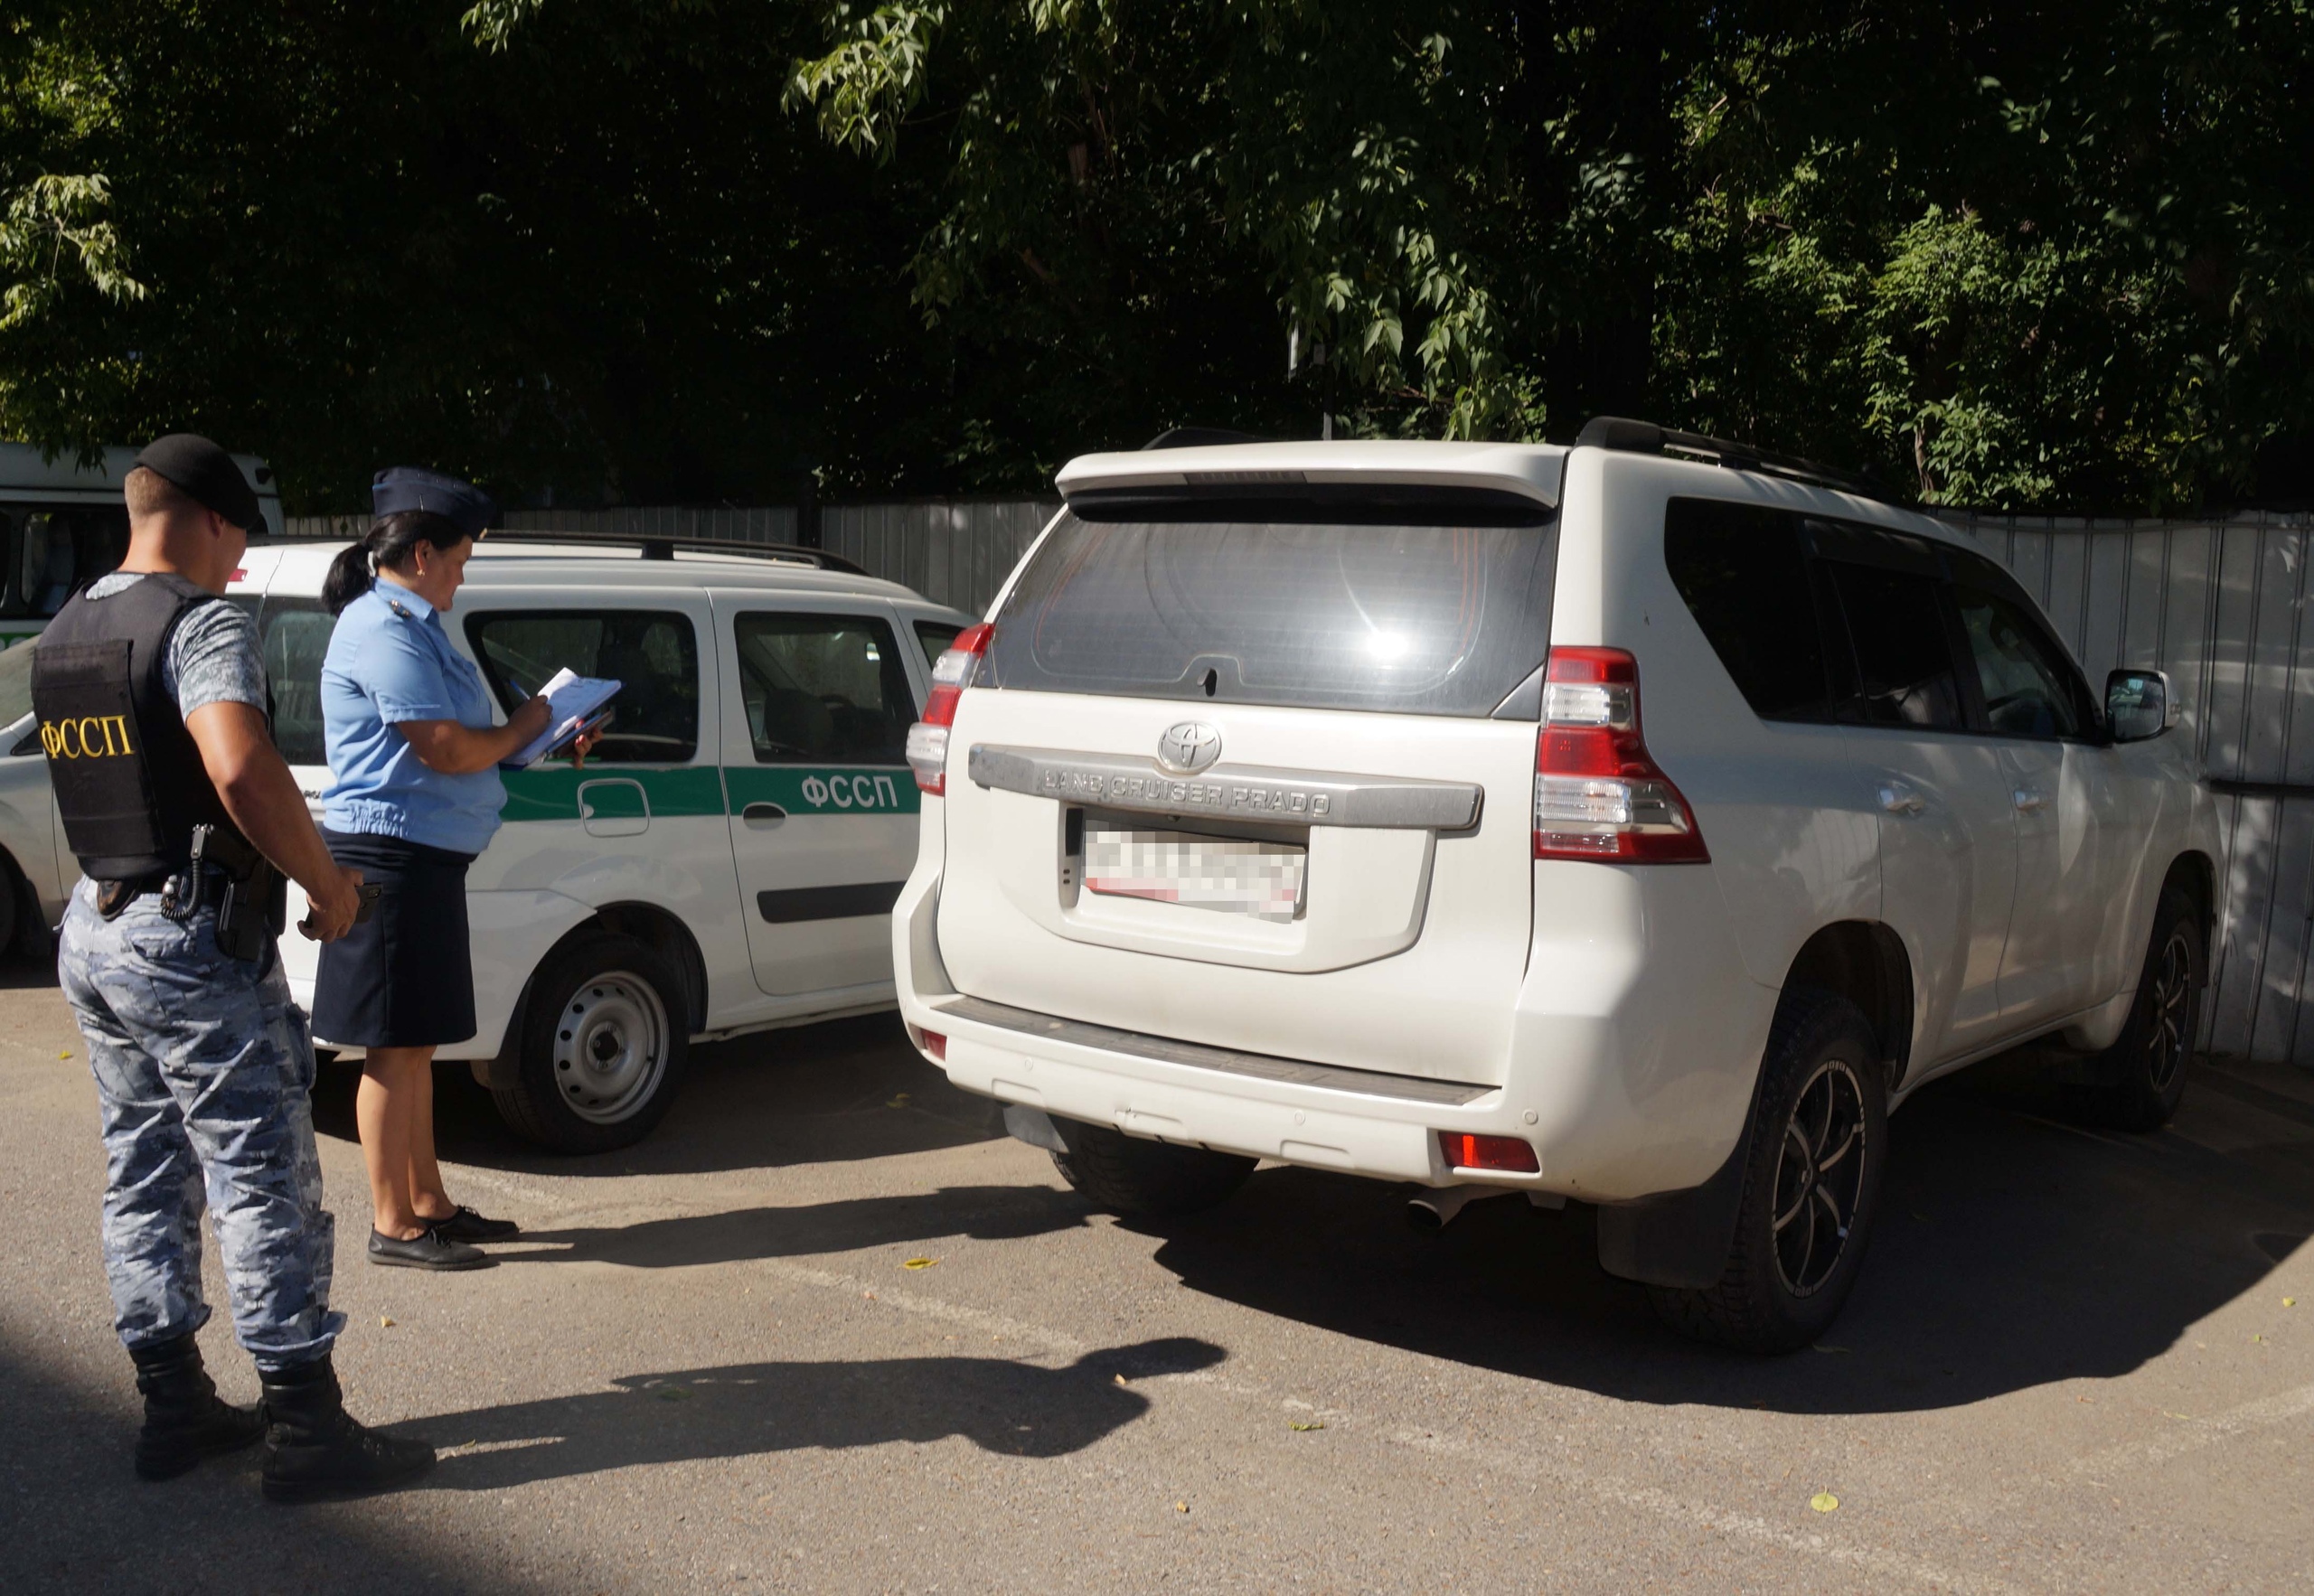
(1644, 437)
(662, 546)
(1198, 438)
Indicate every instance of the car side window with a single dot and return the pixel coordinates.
(823, 689)
(1903, 652)
(935, 637)
(2030, 688)
(1744, 574)
(59, 551)
(293, 638)
(654, 654)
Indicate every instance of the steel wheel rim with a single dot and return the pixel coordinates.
(610, 1046)
(1819, 1177)
(2166, 1040)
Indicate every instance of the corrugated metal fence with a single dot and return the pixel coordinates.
(2220, 604)
(955, 552)
(2221, 607)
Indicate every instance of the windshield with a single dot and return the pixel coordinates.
(1437, 612)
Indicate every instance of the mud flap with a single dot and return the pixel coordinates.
(1033, 1126)
(1675, 1238)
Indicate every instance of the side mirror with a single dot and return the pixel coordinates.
(2139, 704)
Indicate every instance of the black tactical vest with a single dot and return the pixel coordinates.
(130, 783)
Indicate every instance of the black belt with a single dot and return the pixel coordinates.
(113, 896)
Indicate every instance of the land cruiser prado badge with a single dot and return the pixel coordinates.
(1189, 747)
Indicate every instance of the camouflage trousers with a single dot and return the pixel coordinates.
(204, 1070)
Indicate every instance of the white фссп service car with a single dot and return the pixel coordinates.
(1634, 822)
(726, 859)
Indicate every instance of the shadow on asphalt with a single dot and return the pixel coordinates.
(74, 1517)
(808, 1094)
(741, 1409)
(981, 1213)
(2014, 1251)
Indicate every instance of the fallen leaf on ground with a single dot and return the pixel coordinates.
(385, 1322)
(1297, 1424)
(2289, 1302)
(1120, 1379)
(920, 1262)
(1824, 1501)
(1180, 1506)
(66, 1054)
(899, 1102)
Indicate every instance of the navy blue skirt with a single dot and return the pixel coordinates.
(404, 978)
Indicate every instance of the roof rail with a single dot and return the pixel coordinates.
(662, 546)
(1193, 437)
(1644, 437)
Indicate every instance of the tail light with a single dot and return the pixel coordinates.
(1598, 793)
(927, 740)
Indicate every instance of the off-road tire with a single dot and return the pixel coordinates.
(2136, 1083)
(1821, 1056)
(1139, 1180)
(580, 999)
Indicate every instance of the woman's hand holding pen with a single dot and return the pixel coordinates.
(531, 716)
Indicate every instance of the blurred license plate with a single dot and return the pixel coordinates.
(1232, 874)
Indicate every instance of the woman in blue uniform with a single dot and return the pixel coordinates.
(414, 796)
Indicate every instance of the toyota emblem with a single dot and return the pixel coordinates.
(1189, 747)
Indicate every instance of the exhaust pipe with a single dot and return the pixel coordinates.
(1435, 1209)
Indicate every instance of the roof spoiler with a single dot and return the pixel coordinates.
(662, 546)
(1644, 437)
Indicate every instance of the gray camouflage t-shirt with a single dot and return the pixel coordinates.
(213, 654)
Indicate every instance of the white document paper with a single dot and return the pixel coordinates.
(574, 699)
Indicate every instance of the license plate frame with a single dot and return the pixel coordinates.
(1263, 879)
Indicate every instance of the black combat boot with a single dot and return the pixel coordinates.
(314, 1450)
(184, 1421)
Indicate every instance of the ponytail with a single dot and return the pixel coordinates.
(388, 542)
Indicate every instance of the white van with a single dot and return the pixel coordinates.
(1635, 822)
(727, 858)
(63, 525)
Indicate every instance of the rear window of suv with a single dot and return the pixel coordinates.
(1416, 605)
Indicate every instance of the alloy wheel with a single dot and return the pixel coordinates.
(1819, 1177)
(2167, 1041)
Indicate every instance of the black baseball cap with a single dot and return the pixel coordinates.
(207, 474)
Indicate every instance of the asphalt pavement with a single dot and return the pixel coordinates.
(829, 1330)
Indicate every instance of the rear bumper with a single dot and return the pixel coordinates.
(1636, 1042)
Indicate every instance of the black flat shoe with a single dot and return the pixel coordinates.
(426, 1250)
(466, 1226)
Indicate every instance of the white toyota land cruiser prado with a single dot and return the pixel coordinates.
(1636, 822)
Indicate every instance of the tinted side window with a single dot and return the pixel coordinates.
(2031, 688)
(823, 689)
(59, 551)
(1745, 578)
(1904, 654)
(293, 638)
(654, 654)
(2027, 694)
(935, 637)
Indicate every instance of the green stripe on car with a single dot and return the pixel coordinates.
(620, 791)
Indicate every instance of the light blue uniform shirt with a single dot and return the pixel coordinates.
(389, 661)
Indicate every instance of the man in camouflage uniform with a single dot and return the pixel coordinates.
(153, 706)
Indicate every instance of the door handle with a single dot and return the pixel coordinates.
(763, 815)
(1898, 799)
(2029, 799)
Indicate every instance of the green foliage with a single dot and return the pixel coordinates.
(2015, 254)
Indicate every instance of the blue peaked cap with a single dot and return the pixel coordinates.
(399, 488)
